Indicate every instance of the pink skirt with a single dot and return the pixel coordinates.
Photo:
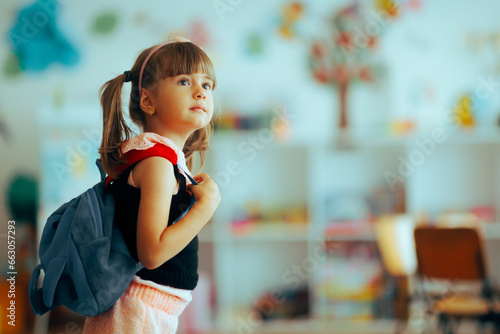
(143, 308)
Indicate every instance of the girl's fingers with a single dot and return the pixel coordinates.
(199, 177)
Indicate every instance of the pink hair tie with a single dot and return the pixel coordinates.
(176, 39)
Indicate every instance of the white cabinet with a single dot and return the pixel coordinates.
(248, 258)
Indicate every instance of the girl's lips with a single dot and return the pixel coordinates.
(200, 109)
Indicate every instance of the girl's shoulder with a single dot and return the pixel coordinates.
(150, 144)
(154, 171)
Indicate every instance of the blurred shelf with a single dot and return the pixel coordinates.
(270, 231)
(356, 230)
(338, 326)
(378, 326)
(490, 135)
(259, 232)
(251, 137)
(351, 237)
(324, 170)
(445, 136)
(490, 231)
(207, 233)
(309, 326)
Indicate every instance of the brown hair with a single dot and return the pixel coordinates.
(169, 61)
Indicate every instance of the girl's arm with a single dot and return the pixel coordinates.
(157, 243)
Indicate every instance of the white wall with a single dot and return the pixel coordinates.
(423, 47)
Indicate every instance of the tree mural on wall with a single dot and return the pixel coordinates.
(346, 52)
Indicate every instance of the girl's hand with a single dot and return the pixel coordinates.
(206, 192)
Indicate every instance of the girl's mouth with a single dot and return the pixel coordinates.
(199, 109)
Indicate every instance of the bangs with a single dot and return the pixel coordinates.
(183, 58)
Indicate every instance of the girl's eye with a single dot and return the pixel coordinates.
(207, 85)
(183, 82)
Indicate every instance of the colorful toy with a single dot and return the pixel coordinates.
(464, 112)
(292, 12)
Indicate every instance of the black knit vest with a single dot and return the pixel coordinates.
(181, 271)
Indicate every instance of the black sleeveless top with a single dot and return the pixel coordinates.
(179, 272)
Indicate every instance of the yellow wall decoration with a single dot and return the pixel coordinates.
(464, 111)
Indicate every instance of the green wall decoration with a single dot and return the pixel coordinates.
(11, 66)
(104, 23)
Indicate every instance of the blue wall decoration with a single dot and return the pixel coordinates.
(37, 41)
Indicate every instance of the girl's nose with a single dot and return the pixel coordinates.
(201, 94)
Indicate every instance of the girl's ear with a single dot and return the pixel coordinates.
(147, 101)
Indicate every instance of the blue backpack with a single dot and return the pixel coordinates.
(85, 259)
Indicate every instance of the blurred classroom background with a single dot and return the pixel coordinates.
(344, 125)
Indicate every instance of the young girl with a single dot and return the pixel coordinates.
(171, 101)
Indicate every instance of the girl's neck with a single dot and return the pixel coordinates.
(178, 139)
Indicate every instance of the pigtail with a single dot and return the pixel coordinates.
(115, 129)
(197, 142)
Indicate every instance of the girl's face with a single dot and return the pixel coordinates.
(185, 101)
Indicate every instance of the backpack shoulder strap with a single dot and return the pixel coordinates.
(134, 156)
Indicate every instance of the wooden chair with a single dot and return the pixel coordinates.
(451, 255)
